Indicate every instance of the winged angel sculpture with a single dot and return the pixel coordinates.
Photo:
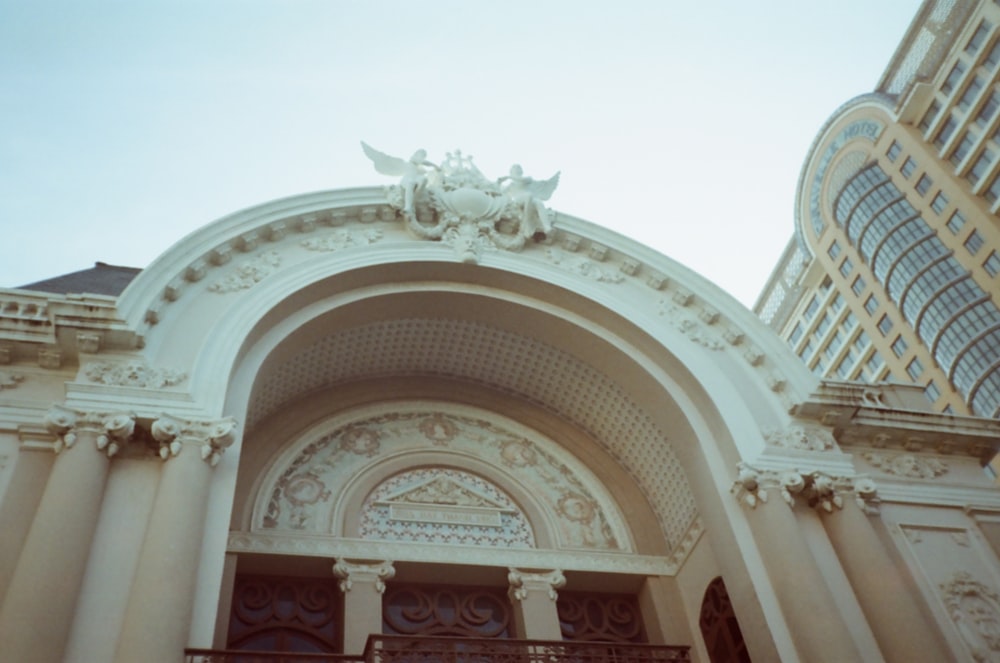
(456, 203)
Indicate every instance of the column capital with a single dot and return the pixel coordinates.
(374, 573)
(522, 582)
(112, 429)
(819, 490)
(213, 436)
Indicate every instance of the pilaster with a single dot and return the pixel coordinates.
(534, 596)
(158, 618)
(363, 583)
(41, 598)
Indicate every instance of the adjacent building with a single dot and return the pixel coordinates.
(894, 270)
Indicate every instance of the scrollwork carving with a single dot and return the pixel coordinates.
(212, 436)
(906, 465)
(521, 582)
(374, 573)
(113, 430)
(975, 610)
(818, 490)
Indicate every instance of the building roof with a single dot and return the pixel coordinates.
(101, 279)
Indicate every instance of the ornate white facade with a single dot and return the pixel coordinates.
(444, 381)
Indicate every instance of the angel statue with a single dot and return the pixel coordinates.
(528, 195)
(413, 173)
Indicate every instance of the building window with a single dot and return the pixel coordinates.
(978, 38)
(850, 322)
(932, 392)
(971, 92)
(924, 184)
(874, 363)
(884, 324)
(823, 325)
(271, 613)
(899, 346)
(908, 167)
(974, 242)
(837, 303)
(946, 132)
(993, 57)
(871, 304)
(895, 149)
(719, 628)
(939, 203)
(980, 166)
(993, 191)
(812, 308)
(834, 250)
(481, 612)
(858, 286)
(954, 76)
(963, 148)
(956, 222)
(846, 267)
(862, 342)
(927, 120)
(796, 334)
(597, 618)
(988, 110)
(992, 264)
(914, 369)
(807, 351)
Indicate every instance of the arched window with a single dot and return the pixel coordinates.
(719, 628)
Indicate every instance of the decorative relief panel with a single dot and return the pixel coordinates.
(906, 465)
(444, 506)
(583, 266)
(438, 504)
(799, 437)
(975, 610)
(342, 239)
(132, 374)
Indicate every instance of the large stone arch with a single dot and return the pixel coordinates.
(289, 313)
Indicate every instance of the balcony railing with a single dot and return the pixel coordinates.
(422, 649)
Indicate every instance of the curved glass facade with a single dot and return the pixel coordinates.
(951, 314)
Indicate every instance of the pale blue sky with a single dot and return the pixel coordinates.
(126, 125)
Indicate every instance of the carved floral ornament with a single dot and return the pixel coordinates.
(906, 465)
(9, 380)
(455, 203)
(818, 490)
(799, 437)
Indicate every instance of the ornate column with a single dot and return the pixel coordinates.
(40, 601)
(886, 597)
(534, 596)
(817, 627)
(363, 584)
(158, 617)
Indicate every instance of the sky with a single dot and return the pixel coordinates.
(126, 125)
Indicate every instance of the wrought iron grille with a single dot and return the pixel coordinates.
(424, 649)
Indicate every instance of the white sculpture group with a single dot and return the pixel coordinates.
(456, 203)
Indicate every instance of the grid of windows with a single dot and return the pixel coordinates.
(951, 314)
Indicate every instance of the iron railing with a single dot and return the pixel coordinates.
(426, 649)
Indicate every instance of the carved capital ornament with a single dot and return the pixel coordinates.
(212, 436)
(112, 429)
